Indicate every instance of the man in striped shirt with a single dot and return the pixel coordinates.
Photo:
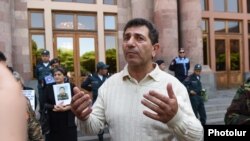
(141, 102)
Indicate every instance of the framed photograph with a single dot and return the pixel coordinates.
(62, 93)
(30, 94)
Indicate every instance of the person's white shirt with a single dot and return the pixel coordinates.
(119, 106)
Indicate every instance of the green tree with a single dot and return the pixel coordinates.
(111, 60)
(87, 62)
(66, 58)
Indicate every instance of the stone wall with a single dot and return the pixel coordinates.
(165, 18)
(5, 30)
(14, 41)
(128, 9)
(20, 42)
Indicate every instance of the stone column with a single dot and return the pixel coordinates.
(191, 40)
(190, 29)
(128, 9)
(142, 9)
(5, 30)
(20, 39)
(165, 17)
(124, 14)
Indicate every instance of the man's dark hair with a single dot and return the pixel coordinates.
(2, 56)
(55, 60)
(61, 69)
(153, 33)
(62, 88)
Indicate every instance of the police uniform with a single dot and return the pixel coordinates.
(193, 85)
(238, 113)
(62, 96)
(180, 66)
(93, 82)
(41, 72)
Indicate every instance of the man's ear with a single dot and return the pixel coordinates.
(155, 49)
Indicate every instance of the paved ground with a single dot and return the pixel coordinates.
(216, 107)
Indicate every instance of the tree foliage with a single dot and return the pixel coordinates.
(111, 60)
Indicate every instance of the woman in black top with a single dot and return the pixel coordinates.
(61, 119)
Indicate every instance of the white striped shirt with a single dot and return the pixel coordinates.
(119, 106)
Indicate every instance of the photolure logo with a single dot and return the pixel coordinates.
(230, 132)
(215, 132)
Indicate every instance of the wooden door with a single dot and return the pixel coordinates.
(77, 54)
(87, 56)
(228, 62)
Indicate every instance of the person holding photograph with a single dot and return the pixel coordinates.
(62, 94)
(61, 119)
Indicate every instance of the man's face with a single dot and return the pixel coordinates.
(55, 65)
(103, 71)
(62, 91)
(162, 66)
(137, 46)
(45, 58)
(197, 72)
(182, 53)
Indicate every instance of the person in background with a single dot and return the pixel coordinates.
(61, 119)
(3, 60)
(194, 87)
(141, 102)
(55, 62)
(34, 129)
(20, 80)
(238, 112)
(161, 64)
(92, 84)
(43, 70)
(94, 81)
(49, 79)
(12, 108)
(180, 65)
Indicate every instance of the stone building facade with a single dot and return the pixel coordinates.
(178, 23)
(14, 35)
(215, 37)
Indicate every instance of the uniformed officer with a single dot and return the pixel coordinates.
(43, 70)
(62, 94)
(194, 87)
(180, 65)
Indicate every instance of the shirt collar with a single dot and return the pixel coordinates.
(46, 64)
(154, 74)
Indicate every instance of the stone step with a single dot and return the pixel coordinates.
(216, 114)
(218, 101)
(106, 137)
(216, 107)
(215, 121)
